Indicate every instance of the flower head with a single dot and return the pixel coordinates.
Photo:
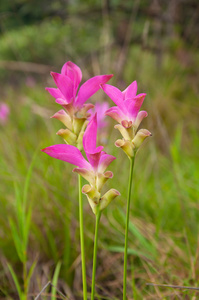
(73, 98)
(68, 82)
(127, 113)
(92, 169)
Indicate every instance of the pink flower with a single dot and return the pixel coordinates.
(98, 160)
(93, 169)
(4, 113)
(100, 108)
(128, 114)
(67, 93)
(128, 105)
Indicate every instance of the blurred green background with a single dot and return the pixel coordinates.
(153, 42)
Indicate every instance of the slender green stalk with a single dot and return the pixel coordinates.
(127, 226)
(81, 225)
(98, 215)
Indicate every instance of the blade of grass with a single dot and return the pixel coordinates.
(55, 279)
(14, 277)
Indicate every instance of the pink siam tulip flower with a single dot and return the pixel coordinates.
(4, 113)
(127, 113)
(67, 94)
(128, 105)
(93, 169)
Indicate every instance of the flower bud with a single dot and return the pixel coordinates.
(126, 146)
(102, 178)
(141, 135)
(63, 117)
(93, 196)
(108, 197)
(68, 136)
(78, 123)
(127, 133)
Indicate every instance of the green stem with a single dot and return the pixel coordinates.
(98, 215)
(127, 226)
(81, 225)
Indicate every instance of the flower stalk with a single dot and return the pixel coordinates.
(97, 219)
(127, 226)
(81, 226)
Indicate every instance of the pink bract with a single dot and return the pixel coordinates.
(68, 82)
(128, 104)
(98, 160)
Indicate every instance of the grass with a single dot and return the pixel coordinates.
(163, 238)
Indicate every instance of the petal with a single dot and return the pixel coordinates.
(115, 113)
(141, 115)
(65, 85)
(67, 153)
(88, 175)
(94, 158)
(114, 93)
(141, 135)
(90, 87)
(63, 117)
(108, 197)
(104, 162)
(90, 136)
(130, 91)
(73, 72)
(68, 136)
(127, 133)
(102, 178)
(126, 146)
(133, 105)
(56, 93)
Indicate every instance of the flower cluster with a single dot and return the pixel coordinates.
(127, 113)
(92, 170)
(75, 113)
(82, 133)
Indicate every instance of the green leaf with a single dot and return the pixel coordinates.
(17, 240)
(14, 277)
(55, 279)
(120, 249)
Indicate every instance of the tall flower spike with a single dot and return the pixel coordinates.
(127, 113)
(73, 100)
(92, 170)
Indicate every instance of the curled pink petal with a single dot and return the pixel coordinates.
(105, 161)
(65, 85)
(115, 113)
(141, 115)
(94, 158)
(90, 87)
(69, 154)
